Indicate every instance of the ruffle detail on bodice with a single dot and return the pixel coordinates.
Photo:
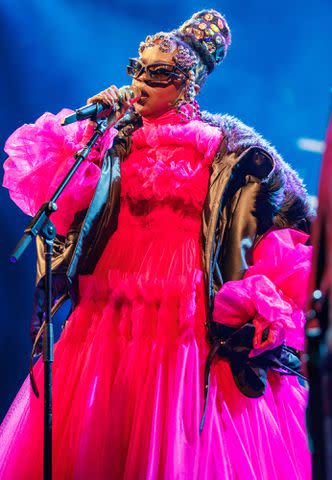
(274, 289)
(194, 134)
(150, 307)
(170, 162)
(41, 154)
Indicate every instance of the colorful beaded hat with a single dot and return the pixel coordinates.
(208, 33)
(199, 44)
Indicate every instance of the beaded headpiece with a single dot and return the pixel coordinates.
(167, 42)
(199, 44)
(208, 33)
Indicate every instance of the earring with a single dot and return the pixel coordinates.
(188, 107)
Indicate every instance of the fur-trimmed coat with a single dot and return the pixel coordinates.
(251, 190)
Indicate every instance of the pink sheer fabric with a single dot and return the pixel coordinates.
(41, 154)
(128, 369)
(273, 292)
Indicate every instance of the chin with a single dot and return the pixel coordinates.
(147, 112)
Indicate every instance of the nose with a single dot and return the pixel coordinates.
(137, 82)
(142, 76)
(141, 80)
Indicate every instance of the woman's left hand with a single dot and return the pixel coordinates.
(268, 335)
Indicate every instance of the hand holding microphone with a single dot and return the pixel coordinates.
(112, 102)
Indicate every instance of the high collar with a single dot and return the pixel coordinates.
(171, 117)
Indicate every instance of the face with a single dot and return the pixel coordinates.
(157, 100)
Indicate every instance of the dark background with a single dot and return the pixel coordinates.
(55, 54)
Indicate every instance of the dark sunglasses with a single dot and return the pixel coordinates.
(156, 74)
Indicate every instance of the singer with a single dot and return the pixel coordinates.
(201, 242)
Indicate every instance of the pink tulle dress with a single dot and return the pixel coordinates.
(128, 368)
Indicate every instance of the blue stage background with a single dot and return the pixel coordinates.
(57, 53)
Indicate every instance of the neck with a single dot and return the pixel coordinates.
(187, 114)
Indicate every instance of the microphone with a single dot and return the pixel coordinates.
(95, 109)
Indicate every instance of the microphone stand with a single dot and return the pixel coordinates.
(42, 225)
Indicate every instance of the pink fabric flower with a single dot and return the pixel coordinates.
(170, 162)
(272, 293)
(41, 154)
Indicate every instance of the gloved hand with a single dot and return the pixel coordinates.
(268, 335)
(255, 299)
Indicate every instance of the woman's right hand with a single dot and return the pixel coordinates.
(117, 99)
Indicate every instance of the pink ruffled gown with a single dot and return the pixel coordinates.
(128, 368)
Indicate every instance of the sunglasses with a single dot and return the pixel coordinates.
(156, 74)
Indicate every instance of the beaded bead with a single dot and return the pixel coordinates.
(208, 17)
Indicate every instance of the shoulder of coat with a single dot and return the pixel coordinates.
(239, 135)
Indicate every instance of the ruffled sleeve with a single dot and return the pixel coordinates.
(41, 154)
(273, 292)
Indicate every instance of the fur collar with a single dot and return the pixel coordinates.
(283, 188)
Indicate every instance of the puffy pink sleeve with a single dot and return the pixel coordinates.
(41, 154)
(273, 292)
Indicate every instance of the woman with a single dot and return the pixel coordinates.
(204, 200)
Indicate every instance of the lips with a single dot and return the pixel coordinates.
(144, 94)
(144, 97)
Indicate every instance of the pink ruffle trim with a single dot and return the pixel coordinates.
(273, 290)
(195, 134)
(159, 307)
(41, 154)
(170, 162)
